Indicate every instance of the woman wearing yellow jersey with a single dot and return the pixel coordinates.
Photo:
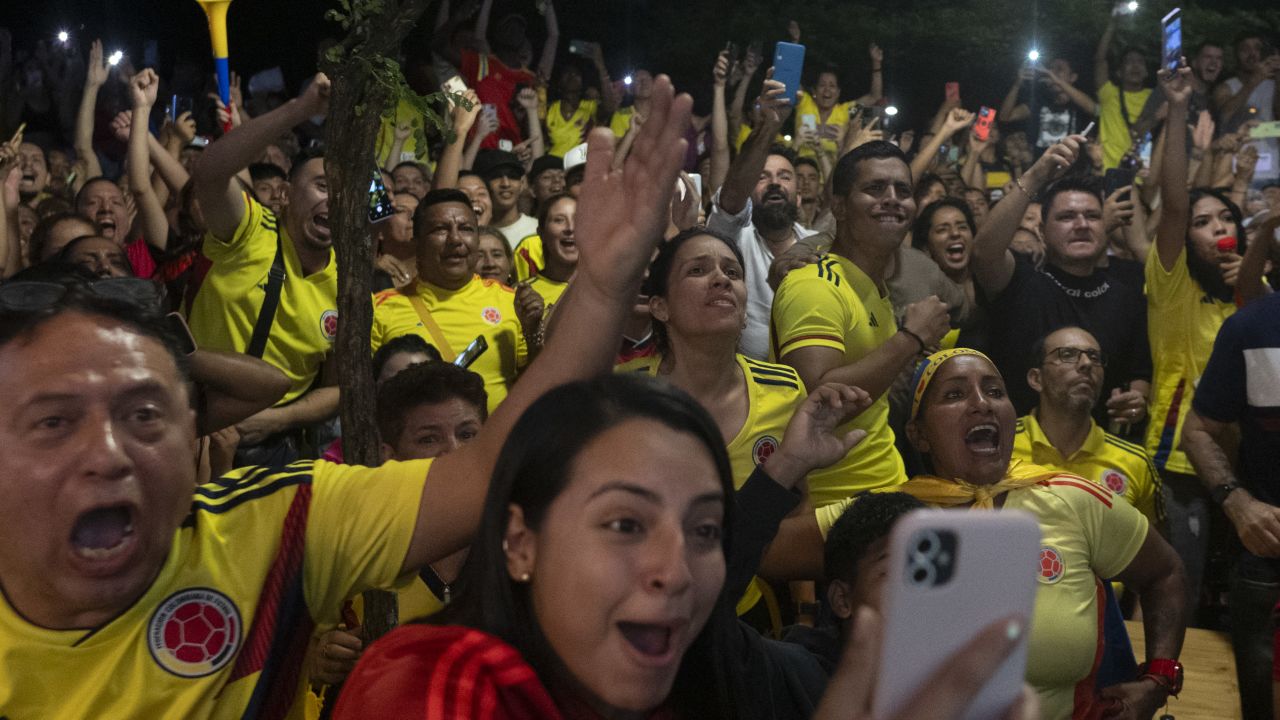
(1190, 276)
(560, 251)
(963, 421)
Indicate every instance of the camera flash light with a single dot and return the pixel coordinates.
(626, 80)
(1034, 55)
(891, 110)
(63, 36)
(115, 57)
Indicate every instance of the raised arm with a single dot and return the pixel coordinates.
(750, 63)
(1172, 232)
(608, 99)
(445, 27)
(217, 191)
(547, 62)
(462, 118)
(143, 88)
(720, 156)
(1101, 68)
(10, 252)
(528, 99)
(972, 173)
(1078, 96)
(992, 263)
(87, 167)
(952, 123)
(877, 76)
(1011, 110)
(624, 214)
(744, 172)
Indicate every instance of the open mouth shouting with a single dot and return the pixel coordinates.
(956, 252)
(654, 644)
(107, 225)
(103, 539)
(983, 439)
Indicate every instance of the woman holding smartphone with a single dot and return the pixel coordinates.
(963, 421)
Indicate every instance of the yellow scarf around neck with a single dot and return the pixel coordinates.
(944, 492)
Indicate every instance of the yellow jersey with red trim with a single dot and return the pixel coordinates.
(1182, 323)
(549, 290)
(807, 107)
(620, 123)
(480, 308)
(833, 304)
(528, 258)
(1086, 534)
(1116, 464)
(564, 134)
(774, 393)
(264, 555)
(225, 309)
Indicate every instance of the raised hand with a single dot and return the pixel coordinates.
(811, 440)
(143, 88)
(1202, 134)
(773, 104)
(928, 320)
(9, 158)
(622, 211)
(1058, 158)
(877, 55)
(316, 97)
(464, 113)
(1118, 209)
(528, 99)
(97, 71)
(1177, 85)
(957, 120)
(720, 73)
(185, 128)
(237, 95)
(122, 125)
(1246, 163)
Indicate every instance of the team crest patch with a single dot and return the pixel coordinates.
(329, 324)
(194, 632)
(1115, 481)
(764, 448)
(1051, 566)
(491, 315)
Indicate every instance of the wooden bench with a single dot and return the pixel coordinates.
(1209, 690)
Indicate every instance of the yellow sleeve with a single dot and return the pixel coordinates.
(620, 123)
(359, 529)
(1114, 529)
(808, 312)
(828, 514)
(1163, 285)
(257, 219)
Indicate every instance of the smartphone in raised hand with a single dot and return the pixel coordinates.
(1172, 39)
(788, 64)
(951, 573)
(380, 206)
(982, 126)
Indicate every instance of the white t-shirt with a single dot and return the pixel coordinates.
(523, 227)
(1262, 98)
(756, 258)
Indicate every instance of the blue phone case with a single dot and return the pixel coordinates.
(788, 63)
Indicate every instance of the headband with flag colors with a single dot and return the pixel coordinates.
(926, 369)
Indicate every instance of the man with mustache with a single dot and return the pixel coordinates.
(758, 206)
(1061, 434)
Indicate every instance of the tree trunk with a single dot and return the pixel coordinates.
(356, 104)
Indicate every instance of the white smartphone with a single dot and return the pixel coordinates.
(454, 86)
(491, 110)
(810, 122)
(697, 184)
(951, 573)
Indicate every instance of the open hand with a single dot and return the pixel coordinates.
(811, 440)
(1202, 134)
(97, 71)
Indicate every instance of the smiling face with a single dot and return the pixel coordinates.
(481, 200)
(492, 261)
(826, 93)
(103, 201)
(1071, 387)
(966, 422)
(879, 209)
(446, 237)
(505, 189)
(950, 241)
(1208, 63)
(435, 429)
(808, 182)
(706, 292)
(550, 182)
(34, 170)
(308, 206)
(626, 566)
(558, 240)
(95, 468)
(1211, 221)
(1073, 230)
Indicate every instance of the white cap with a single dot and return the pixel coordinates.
(575, 157)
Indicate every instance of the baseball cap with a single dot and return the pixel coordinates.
(543, 164)
(575, 157)
(489, 163)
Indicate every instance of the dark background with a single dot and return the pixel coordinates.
(978, 43)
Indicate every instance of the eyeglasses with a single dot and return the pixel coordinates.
(26, 296)
(1071, 355)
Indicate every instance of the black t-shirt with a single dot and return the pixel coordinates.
(1108, 303)
(1241, 383)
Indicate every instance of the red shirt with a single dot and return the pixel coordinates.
(495, 84)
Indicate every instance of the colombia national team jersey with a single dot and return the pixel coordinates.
(833, 304)
(225, 309)
(481, 307)
(263, 556)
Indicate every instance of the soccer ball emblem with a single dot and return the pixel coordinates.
(764, 448)
(194, 632)
(491, 315)
(1051, 566)
(1115, 481)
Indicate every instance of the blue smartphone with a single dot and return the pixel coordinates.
(1172, 24)
(788, 63)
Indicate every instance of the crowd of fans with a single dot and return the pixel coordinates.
(639, 460)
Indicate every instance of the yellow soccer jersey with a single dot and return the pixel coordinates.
(481, 307)
(1118, 465)
(225, 308)
(549, 290)
(263, 557)
(1113, 129)
(774, 392)
(839, 117)
(564, 135)
(528, 258)
(1182, 323)
(621, 121)
(1086, 534)
(833, 304)
(405, 113)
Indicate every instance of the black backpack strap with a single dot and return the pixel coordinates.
(270, 301)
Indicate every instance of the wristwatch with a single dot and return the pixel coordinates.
(1164, 671)
(1220, 493)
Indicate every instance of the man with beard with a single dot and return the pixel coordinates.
(758, 206)
(834, 321)
(450, 306)
(1057, 110)
(1060, 433)
(1024, 304)
(271, 290)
